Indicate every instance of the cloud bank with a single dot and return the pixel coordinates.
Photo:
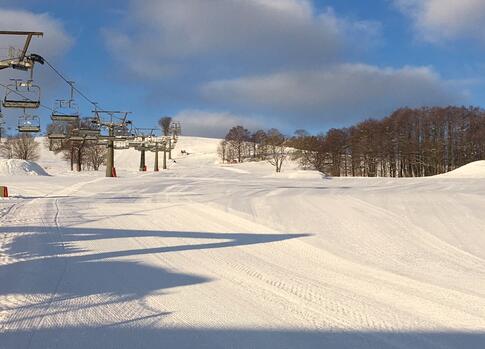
(290, 62)
(213, 124)
(443, 20)
(341, 93)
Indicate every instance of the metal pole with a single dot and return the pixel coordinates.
(165, 157)
(156, 169)
(170, 148)
(142, 157)
(110, 160)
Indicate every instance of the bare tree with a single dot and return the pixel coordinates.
(95, 155)
(237, 137)
(6, 148)
(165, 123)
(259, 140)
(277, 151)
(23, 146)
(222, 150)
(407, 143)
(76, 152)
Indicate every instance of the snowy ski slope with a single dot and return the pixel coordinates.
(231, 256)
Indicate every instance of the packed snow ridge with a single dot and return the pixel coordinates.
(472, 170)
(16, 167)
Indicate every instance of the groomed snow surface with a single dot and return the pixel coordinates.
(206, 255)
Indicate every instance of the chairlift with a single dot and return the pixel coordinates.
(90, 138)
(84, 131)
(106, 138)
(22, 94)
(28, 123)
(56, 136)
(76, 138)
(66, 110)
(121, 145)
(133, 143)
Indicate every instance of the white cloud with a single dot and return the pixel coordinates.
(441, 20)
(229, 35)
(341, 93)
(55, 41)
(285, 59)
(212, 124)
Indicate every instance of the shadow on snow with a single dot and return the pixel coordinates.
(141, 337)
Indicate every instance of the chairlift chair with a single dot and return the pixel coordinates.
(66, 110)
(56, 136)
(133, 143)
(107, 138)
(76, 138)
(90, 138)
(89, 131)
(22, 94)
(121, 145)
(28, 124)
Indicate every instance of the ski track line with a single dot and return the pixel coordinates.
(402, 288)
(30, 207)
(430, 239)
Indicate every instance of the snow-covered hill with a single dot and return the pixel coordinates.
(207, 255)
(472, 170)
(15, 167)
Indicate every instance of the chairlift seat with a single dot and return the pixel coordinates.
(121, 146)
(76, 138)
(28, 128)
(56, 136)
(89, 132)
(10, 103)
(64, 117)
(107, 138)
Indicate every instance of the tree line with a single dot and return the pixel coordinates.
(408, 143)
(241, 145)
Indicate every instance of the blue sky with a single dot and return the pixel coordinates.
(261, 63)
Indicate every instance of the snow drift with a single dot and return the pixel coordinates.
(16, 167)
(472, 170)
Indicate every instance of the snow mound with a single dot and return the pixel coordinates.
(16, 167)
(472, 170)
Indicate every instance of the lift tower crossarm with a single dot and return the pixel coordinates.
(21, 61)
(111, 122)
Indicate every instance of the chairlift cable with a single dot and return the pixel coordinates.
(69, 82)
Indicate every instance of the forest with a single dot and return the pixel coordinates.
(407, 143)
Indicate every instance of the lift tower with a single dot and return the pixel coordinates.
(21, 60)
(113, 121)
(146, 138)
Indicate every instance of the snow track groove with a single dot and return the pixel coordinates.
(207, 257)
